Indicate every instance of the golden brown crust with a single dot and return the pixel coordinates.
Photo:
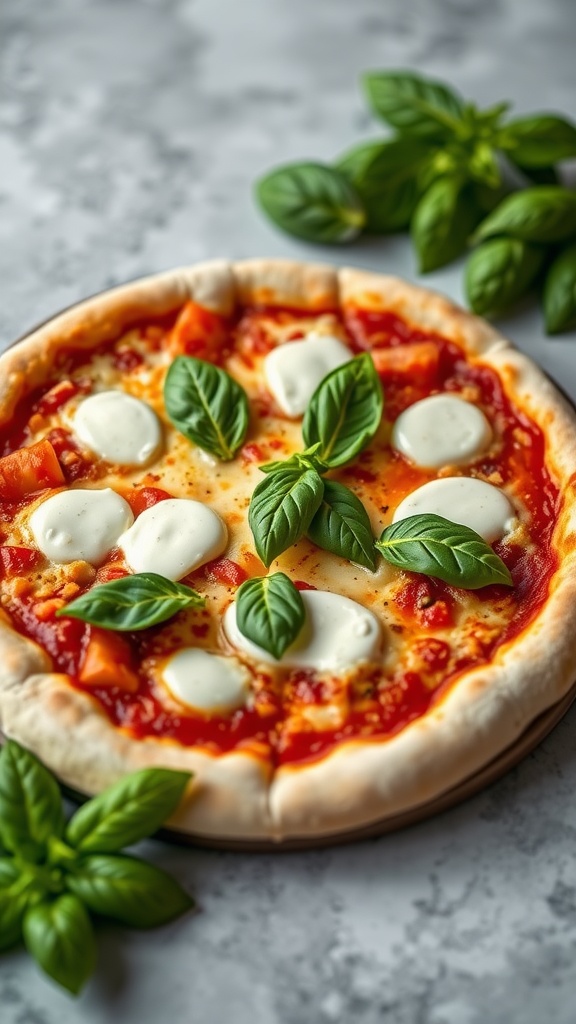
(234, 795)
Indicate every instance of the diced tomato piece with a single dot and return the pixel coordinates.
(252, 453)
(28, 470)
(16, 561)
(107, 662)
(76, 463)
(56, 397)
(437, 615)
(142, 498)
(111, 571)
(127, 358)
(427, 600)
(197, 332)
(224, 570)
(419, 362)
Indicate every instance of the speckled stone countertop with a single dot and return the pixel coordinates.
(130, 135)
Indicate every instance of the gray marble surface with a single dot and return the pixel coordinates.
(130, 134)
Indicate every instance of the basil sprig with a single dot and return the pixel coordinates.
(207, 405)
(341, 526)
(53, 875)
(437, 547)
(132, 602)
(345, 411)
(283, 506)
(270, 612)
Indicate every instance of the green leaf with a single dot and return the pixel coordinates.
(386, 177)
(308, 459)
(128, 890)
(282, 508)
(414, 105)
(206, 405)
(59, 935)
(499, 272)
(345, 411)
(312, 201)
(545, 213)
(437, 547)
(270, 612)
(540, 140)
(30, 803)
(341, 526)
(442, 223)
(13, 902)
(129, 810)
(560, 292)
(133, 602)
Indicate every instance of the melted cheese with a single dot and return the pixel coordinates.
(464, 500)
(206, 682)
(338, 634)
(80, 524)
(173, 538)
(441, 430)
(294, 370)
(119, 428)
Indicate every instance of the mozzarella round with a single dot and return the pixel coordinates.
(338, 633)
(80, 524)
(174, 537)
(206, 682)
(294, 370)
(441, 430)
(464, 500)
(118, 427)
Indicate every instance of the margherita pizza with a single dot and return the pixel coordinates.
(306, 532)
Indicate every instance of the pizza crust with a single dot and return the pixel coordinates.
(235, 795)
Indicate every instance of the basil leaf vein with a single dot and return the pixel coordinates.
(341, 526)
(30, 803)
(282, 508)
(270, 612)
(132, 602)
(448, 551)
(345, 411)
(206, 405)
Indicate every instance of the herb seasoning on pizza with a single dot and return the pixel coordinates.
(307, 533)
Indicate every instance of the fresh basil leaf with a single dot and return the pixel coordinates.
(386, 176)
(132, 602)
(560, 292)
(282, 508)
(129, 810)
(13, 903)
(308, 459)
(312, 201)
(30, 803)
(345, 411)
(128, 890)
(499, 272)
(540, 140)
(437, 547)
(207, 405)
(442, 223)
(414, 105)
(59, 935)
(542, 214)
(483, 165)
(270, 612)
(341, 526)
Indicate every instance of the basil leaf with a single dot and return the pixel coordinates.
(282, 508)
(312, 201)
(30, 803)
(345, 411)
(386, 177)
(308, 459)
(442, 223)
(270, 612)
(560, 292)
(414, 105)
(13, 903)
(437, 547)
(131, 809)
(341, 526)
(132, 602)
(543, 214)
(59, 935)
(128, 890)
(206, 405)
(499, 272)
(540, 140)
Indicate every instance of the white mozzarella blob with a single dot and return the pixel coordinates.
(174, 537)
(80, 524)
(338, 633)
(461, 499)
(441, 430)
(294, 370)
(118, 427)
(206, 682)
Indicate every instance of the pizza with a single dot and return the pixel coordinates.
(306, 532)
